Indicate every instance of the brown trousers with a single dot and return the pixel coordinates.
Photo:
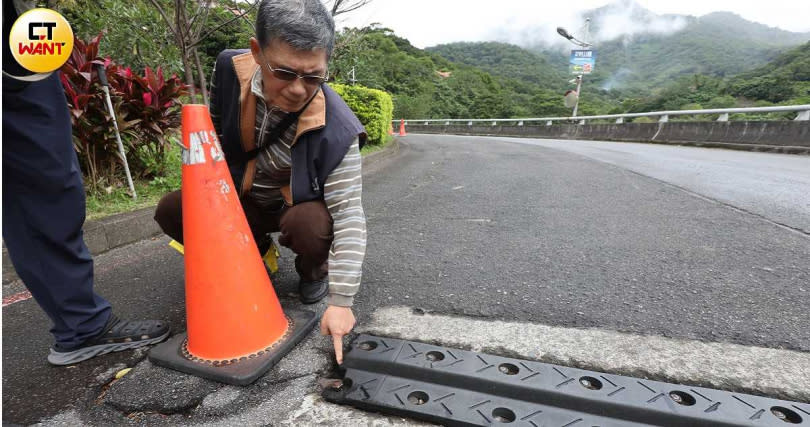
(306, 229)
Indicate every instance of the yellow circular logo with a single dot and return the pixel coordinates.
(41, 40)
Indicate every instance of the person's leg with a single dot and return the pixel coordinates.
(169, 215)
(262, 220)
(44, 209)
(306, 228)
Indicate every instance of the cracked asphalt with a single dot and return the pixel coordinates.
(547, 232)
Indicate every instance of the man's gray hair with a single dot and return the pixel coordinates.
(303, 24)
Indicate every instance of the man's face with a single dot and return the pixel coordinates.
(289, 95)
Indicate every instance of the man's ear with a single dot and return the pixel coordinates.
(256, 50)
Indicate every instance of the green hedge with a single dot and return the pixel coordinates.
(373, 107)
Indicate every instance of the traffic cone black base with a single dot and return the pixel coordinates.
(243, 371)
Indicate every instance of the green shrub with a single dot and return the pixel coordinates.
(373, 107)
(725, 101)
(691, 106)
(770, 87)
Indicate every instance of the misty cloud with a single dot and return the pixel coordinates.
(617, 79)
(633, 19)
(618, 19)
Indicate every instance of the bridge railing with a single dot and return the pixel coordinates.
(663, 116)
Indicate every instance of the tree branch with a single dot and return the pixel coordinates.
(182, 24)
(215, 29)
(165, 18)
(202, 5)
(336, 6)
(207, 11)
(346, 6)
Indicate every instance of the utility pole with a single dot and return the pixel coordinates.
(586, 31)
(579, 86)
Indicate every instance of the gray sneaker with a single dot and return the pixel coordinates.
(117, 335)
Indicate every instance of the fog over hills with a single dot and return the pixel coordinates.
(639, 49)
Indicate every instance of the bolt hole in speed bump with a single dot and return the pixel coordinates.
(590, 383)
(368, 346)
(508, 369)
(503, 415)
(787, 415)
(418, 398)
(237, 329)
(682, 398)
(435, 356)
(462, 388)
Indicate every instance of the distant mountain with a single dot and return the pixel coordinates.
(733, 26)
(638, 50)
(425, 84)
(719, 44)
(703, 64)
(627, 17)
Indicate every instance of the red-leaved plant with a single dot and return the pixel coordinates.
(146, 108)
(93, 131)
(152, 103)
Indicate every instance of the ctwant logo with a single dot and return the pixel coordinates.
(41, 40)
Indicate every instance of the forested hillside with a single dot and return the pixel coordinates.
(719, 44)
(480, 80)
(715, 60)
(425, 84)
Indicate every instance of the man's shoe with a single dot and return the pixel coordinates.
(312, 291)
(117, 335)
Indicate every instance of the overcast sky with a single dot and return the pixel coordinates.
(431, 22)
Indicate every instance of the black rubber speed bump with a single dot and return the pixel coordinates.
(461, 388)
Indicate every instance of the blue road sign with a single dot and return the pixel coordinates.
(582, 61)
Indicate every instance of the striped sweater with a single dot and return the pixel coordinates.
(342, 194)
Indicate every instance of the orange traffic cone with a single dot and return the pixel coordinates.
(237, 329)
(402, 127)
(390, 128)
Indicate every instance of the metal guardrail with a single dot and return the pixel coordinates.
(663, 116)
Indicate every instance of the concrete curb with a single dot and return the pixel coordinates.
(389, 151)
(102, 235)
(118, 230)
(114, 231)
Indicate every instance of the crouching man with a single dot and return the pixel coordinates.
(293, 149)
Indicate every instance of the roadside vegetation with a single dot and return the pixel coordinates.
(158, 55)
(154, 66)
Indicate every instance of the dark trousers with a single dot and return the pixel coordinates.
(44, 209)
(305, 228)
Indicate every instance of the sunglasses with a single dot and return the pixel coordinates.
(288, 76)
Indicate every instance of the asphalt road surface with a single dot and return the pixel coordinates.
(682, 242)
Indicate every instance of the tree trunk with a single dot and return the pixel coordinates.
(201, 74)
(189, 79)
(180, 36)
